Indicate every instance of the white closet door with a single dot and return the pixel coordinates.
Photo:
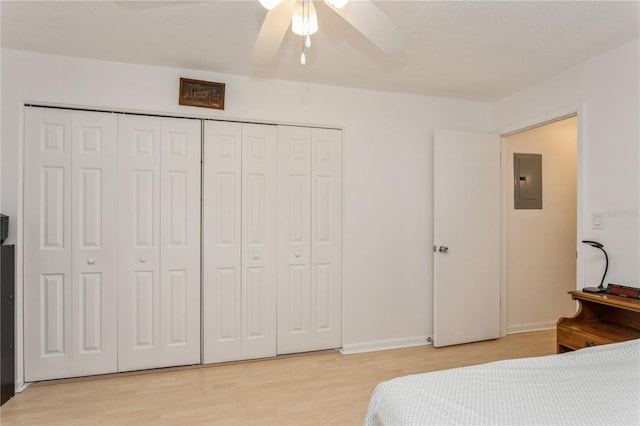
(326, 240)
(222, 243)
(94, 231)
(239, 249)
(48, 339)
(180, 150)
(158, 286)
(139, 344)
(259, 179)
(69, 244)
(309, 239)
(294, 239)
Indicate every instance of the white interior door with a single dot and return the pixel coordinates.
(466, 237)
(309, 239)
(95, 244)
(239, 231)
(48, 338)
(259, 179)
(222, 243)
(112, 283)
(159, 243)
(69, 244)
(326, 240)
(139, 243)
(180, 168)
(294, 238)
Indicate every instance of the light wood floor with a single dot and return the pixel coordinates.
(323, 388)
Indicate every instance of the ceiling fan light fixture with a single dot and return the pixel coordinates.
(338, 4)
(270, 4)
(304, 20)
(300, 16)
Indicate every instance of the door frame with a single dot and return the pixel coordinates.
(574, 110)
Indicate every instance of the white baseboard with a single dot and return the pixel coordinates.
(21, 386)
(382, 345)
(536, 326)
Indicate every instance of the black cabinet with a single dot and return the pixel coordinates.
(7, 320)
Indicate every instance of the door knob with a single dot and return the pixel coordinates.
(143, 260)
(297, 254)
(256, 257)
(91, 261)
(443, 249)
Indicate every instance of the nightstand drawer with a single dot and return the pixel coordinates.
(576, 340)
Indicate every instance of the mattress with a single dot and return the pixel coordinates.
(593, 386)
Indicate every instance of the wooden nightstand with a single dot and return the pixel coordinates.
(601, 319)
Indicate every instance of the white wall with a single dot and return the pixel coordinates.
(388, 144)
(541, 243)
(606, 91)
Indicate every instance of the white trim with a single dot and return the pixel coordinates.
(20, 384)
(541, 119)
(581, 202)
(22, 387)
(504, 190)
(181, 114)
(536, 326)
(383, 345)
(342, 262)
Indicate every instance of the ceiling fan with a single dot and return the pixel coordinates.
(363, 15)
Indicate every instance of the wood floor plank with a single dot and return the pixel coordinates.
(325, 388)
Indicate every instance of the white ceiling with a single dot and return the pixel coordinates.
(476, 50)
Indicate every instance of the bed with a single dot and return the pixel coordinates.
(593, 386)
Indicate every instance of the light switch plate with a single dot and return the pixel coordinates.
(597, 221)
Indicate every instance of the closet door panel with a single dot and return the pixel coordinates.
(294, 239)
(94, 230)
(48, 319)
(326, 240)
(180, 241)
(259, 180)
(222, 242)
(70, 284)
(139, 327)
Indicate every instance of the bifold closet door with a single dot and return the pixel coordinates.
(326, 239)
(294, 239)
(70, 279)
(309, 239)
(239, 246)
(159, 242)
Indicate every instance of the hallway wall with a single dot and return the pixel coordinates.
(541, 244)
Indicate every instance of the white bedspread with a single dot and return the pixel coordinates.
(592, 386)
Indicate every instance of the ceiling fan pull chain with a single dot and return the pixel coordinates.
(306, 40)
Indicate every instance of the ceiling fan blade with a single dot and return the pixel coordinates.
(273, 29)
(365, 17)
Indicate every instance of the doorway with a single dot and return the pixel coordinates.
(541, 243)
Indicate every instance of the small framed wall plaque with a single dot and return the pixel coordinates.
(200, 93)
